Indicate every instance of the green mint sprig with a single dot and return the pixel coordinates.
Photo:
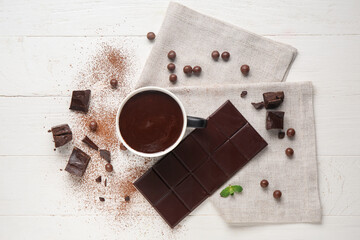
(230, 190)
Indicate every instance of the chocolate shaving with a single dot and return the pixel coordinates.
(102, 199)
(243, 94)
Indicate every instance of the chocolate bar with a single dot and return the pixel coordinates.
(78, 162)
(62, 134)
(200, 164)
(80, 100)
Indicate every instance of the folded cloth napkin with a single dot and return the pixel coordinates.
(194, 36)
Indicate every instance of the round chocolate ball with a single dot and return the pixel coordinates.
(171, 67)
(150, 36)
(215, 55)
(289, 152)
(245, 69)
(290, 132)
(187, 69)
(122, 147)
(108, 167)
(277, 194)
(264, 183)
(113, 83)
(196, 70)
(172, 55)
(173, 78)
(93, 125)
(225, 56)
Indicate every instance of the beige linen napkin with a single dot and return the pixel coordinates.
(194, 36)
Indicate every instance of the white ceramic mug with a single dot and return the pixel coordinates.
(188, 121)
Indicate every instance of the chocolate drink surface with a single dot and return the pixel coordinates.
(151, 121)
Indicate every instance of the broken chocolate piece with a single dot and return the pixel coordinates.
(243, 94)
(127, 198)
(62, 134)
(98, 179)
(102, 199)
(105, 154)
(258, 105)
(274, 120)
(281, 135)
(78, 162)
(80, 100)
(273, 99)
(90, 143)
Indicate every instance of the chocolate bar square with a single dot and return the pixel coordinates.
(229, 158)
(209, 138)
(171, 169)
(171, 209)
(152, 187)
(248, 141)
(78, 162)
(191, 192)
(190, 153)
(62, 134)
(210, 176)
(274, 120)
(80, 100)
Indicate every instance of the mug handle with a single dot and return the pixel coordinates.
(195, 122)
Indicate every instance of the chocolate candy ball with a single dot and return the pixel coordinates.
(108, 167)
(245, 69)
(215, 55)
(289, 152)
(93, 125)
(225, 56)
(277, 194)
(122, 147)
(196, 70)
(290, 132)
(173, 78)
(171, 67)
(264, 183)
(150, 36)
(113, 83)
(172, 55)
(187, 69)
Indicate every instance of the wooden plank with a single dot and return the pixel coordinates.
(36, 186)
(84, 17)
(195, 227)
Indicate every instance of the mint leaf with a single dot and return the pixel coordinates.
(231, 190)
(225, 192)
(237, 188)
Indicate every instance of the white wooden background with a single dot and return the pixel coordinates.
(40, 38)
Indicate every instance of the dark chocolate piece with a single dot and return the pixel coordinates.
(281, 135)
(172, 55)
(197, 70)
(171, 67)
(290, 132)
(62, 134)
(258, 105)
(277, 194)
(78, 162)
(105, 182)
(127, 198)
(98, 179)
(289, 152)
(105, 154)
(80, 100)
(187, 69)
(264, 183)
(245, 69)
(225, 56)
(274, 120)
(150, 36)
(215, 55)
(200, 164)
(173, 78)
(243, 94)
(109, 167)
(273, 99)
(102, 199)
(90, 143)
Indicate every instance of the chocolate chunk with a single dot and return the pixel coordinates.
(290, 132)
(289, 152)
(277, 194)
(172, 55)
(98, 179)
(273, 99)
(281, 135)
(215, 55)
(225, 56)
(150, 35)
(245, 69)
(90, 143)
(171, 67)
(80, 100)
(197, 70)
(105, 154)
(122, 147)
(62, 134)
(114, 83)
(200, 164)
(102, 199)
(93, 125)
(243, 94)
(109, 167)
(187, 69)
(127, 199)
(264, 183)
(258, 105)
(173, 78)
(274, 120)
(78, 162)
